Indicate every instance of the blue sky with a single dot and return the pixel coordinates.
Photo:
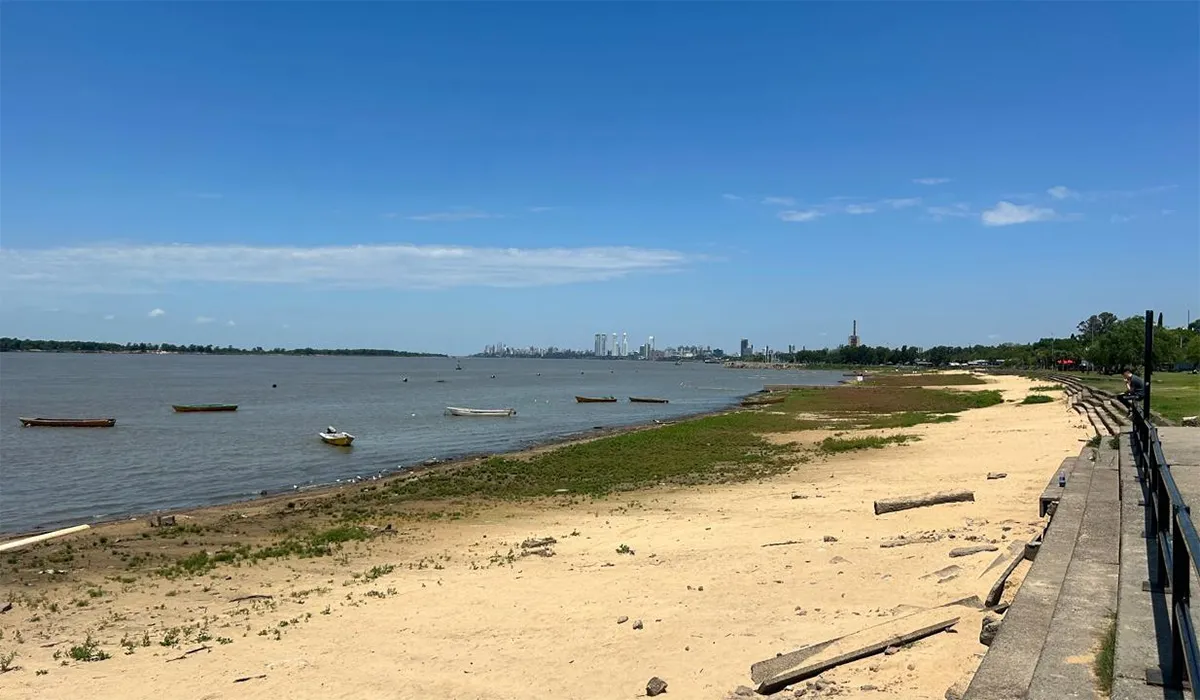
(438, 176)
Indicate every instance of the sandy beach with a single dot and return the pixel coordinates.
(451, 605)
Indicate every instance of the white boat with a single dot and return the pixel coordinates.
(333, 436)
(481, 412)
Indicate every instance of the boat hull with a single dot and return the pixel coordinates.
(204, 407)
(642, 399)
(480, 412)
(337, 439)
(68, 422)
(595, 399)
(766, 401)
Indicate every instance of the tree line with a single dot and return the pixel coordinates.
(1105, 342)
(27, 345)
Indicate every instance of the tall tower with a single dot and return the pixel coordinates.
(854, 335)
(624, 344)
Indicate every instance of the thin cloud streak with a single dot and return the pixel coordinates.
(931, 180)
(155, 313)
(780, 201)
(126, 269)
(731, 197)
(454, 216)
(799, 216)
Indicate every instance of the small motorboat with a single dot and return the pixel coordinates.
(596, 399)
(333, 436)
(68, 422)
(644, 399)
(204, 407)
(480, 412)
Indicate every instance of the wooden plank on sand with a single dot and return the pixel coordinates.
(776, 673)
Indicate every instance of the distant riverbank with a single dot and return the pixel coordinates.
(97, 347)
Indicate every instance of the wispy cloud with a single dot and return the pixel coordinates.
(953, 211)
(731, 197)
(780, 201)
(1168, 212)
(109, 317)
(799, 216)
(1007, 214)
(1120, 219)
(903, 203)
(155, 313)
(205, 319)
(230, 323)
(540, 210)
(118, 268)
(859, 209)
(457, 215)
(931, 180)
(1063, 192)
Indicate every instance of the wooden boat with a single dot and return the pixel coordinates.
(68, 422)
(763, 400)
(643, 399)
(480, 412)
(204, 407)
(333, 436)
(596, 399)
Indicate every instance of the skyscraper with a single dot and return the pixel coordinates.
(600, 345)
(624, 344)
(613, 348)
(746, 348)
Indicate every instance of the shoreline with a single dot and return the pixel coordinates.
(496, 599)
(267, 497)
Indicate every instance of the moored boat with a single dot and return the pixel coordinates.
(644, 399)
(203, 407)
(68, 422)
(480, 412)
(596, 399)
(763, 401)
(339, 438)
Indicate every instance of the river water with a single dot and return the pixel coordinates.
(156, 459)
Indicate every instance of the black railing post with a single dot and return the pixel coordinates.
(1180, 585)
(1149, 362)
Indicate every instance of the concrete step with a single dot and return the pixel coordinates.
(1008, 668)
(1087, 600)
(1141, 615)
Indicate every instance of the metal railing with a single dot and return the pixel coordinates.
(1169, 523)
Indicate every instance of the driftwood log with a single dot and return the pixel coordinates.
(889, 505)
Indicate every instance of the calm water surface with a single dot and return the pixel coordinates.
(155, 458)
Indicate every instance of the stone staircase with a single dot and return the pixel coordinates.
(1046, 641)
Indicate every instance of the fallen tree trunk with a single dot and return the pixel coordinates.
(889, 505)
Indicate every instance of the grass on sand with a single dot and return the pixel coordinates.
(1173, 394)
(1037, 398)
(924, 379)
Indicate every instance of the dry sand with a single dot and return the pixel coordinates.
(457, 619)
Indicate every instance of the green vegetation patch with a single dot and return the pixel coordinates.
(314, 544)
(834, 445)
(1105, 656)
(924, 379)
(1037, 398)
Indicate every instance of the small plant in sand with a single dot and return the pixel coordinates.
(1037, 398)
(625, 549)
(6, 661)
(88, 651)
(377, 571)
